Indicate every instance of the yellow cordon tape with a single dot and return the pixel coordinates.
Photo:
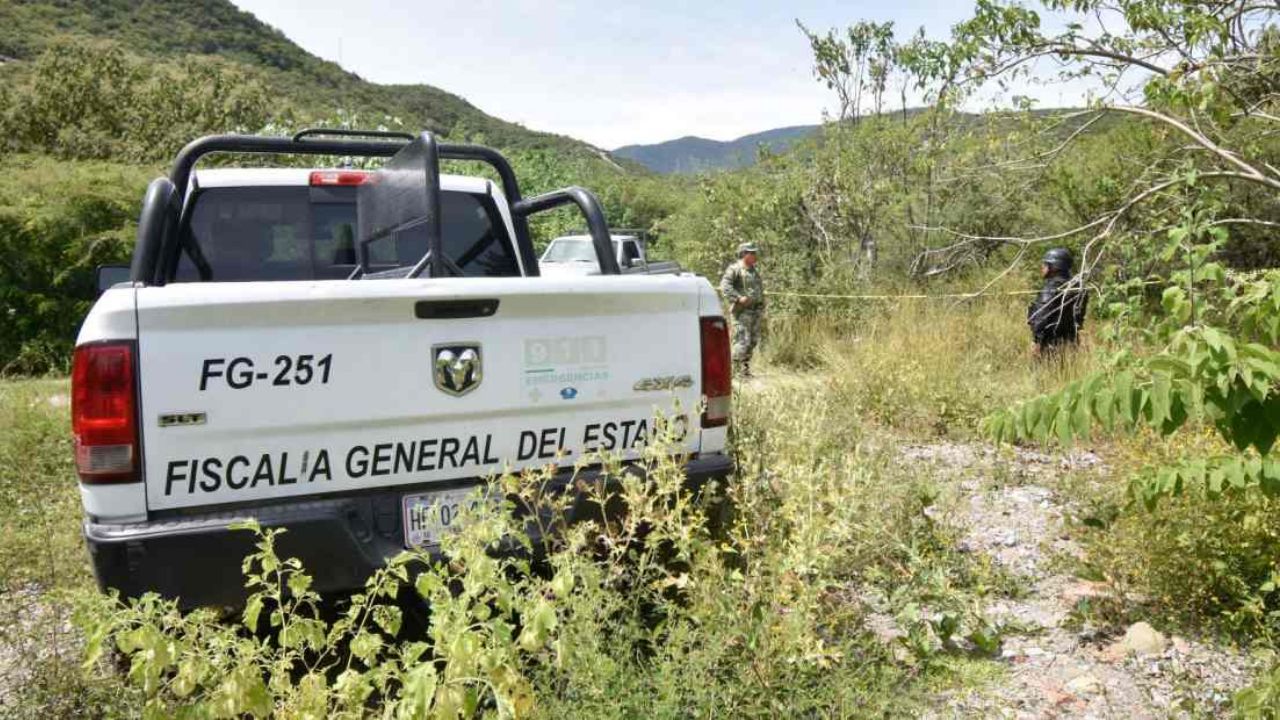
(947, 296)
(950, 296)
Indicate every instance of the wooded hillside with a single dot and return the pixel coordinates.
(173, 29)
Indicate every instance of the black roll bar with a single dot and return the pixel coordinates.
(597, 227)
(158, 249)
(158, 219)
(256, 144)
(343, 132)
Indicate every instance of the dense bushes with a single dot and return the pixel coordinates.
(58, 222)
(97, 101)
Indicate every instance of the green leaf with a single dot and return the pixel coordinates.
(1013, 424)
(388, 618)
(1104, 408)
(1125, 397)
(1034, 411)
(1169, 365)
(419, 692)
(411, 652)
(428, 585)
(1062, 424)
(986, 639)
(562, 584)
(242, 692)
(1047, 410)
(186, 680)
(1214, 339)
(1080, 419)
(1160, 385)
(299, 582)
(1174, 301)
(1177, 415)
(1235, 475)
(365, 646)
(538, 626)
(252, 609)
(296, 634)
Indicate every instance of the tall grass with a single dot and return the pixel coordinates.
(924, 367)
(43, 566)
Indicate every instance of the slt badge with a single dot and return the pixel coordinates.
(457, 368)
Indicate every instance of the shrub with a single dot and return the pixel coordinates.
(94, 100)
(58, 222)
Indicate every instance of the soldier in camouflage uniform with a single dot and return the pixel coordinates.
(743, 289)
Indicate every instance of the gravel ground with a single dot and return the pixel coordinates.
(35, 635)
(1008, 509)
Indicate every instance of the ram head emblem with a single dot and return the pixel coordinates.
(458, 368)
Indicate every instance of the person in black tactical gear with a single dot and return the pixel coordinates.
(1057, 313)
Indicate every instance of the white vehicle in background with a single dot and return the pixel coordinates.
(576, 255)
(347, 354)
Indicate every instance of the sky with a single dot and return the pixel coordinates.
(609, 73)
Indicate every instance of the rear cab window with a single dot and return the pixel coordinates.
(570, 250)
(309, 233)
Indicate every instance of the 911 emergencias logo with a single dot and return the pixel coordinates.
(457, 368)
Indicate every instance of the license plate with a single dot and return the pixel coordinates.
(429, 515)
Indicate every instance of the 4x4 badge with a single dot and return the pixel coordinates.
(457, 368)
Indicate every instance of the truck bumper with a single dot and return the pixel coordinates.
(341, 541)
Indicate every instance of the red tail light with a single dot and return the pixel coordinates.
(104, 412)
(329, 178)
(717, 372)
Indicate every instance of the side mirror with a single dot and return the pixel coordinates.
(107, 276)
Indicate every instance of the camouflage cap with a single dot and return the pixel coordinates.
(747, 247)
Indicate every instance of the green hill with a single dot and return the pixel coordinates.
(168, 29)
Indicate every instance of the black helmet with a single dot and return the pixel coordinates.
(1059, 260)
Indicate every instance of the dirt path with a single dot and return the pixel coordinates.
(1009, 509)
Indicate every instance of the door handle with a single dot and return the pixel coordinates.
(454, 309)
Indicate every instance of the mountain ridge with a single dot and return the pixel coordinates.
(693, 154)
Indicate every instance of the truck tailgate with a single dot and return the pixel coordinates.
(253, 391)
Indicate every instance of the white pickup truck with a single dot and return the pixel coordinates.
(576, 255)
(347, 354)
